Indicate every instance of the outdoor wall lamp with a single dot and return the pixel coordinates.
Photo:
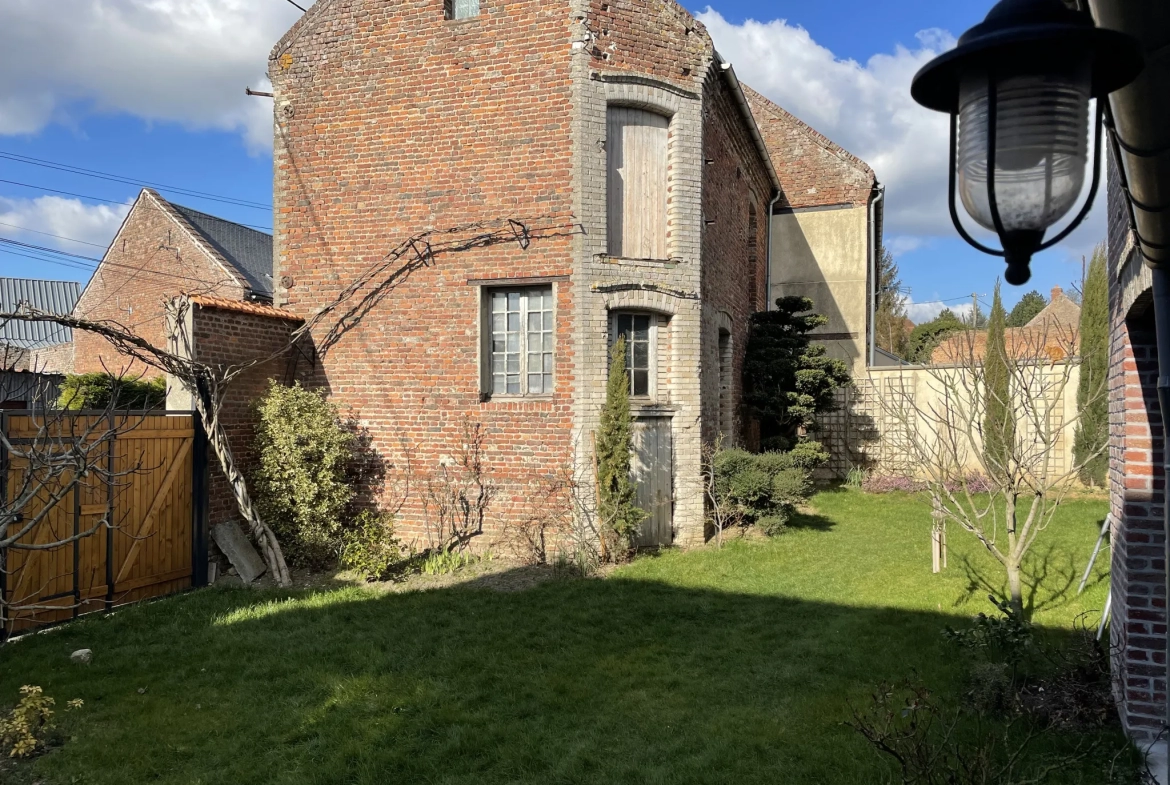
(1017, 88)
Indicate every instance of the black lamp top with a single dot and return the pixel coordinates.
(1030, 37)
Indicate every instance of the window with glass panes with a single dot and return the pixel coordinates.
(461, 9)
(636, 328)
(521, 359)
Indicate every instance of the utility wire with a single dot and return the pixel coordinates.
(48, 234)
(25, 159)
(110, 201)
(290, 2)
(78, 261)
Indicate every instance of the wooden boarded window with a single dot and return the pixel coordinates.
(636, 178)
(520, 332)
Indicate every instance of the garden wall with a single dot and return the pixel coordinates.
(881, 415)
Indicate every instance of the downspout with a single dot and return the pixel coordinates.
(879, 195)
(768, 254)
(1138, 120)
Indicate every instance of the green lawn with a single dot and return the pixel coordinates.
(709, 666)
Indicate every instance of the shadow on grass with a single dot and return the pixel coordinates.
(811, 520)
(572, 681)
(1049, 576)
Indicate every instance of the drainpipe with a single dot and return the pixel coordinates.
(879, 194)
(768, 254)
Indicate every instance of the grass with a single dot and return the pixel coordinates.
(708, 666)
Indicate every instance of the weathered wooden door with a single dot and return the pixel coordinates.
(652, 469)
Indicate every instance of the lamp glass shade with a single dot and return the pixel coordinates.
(1041, 147)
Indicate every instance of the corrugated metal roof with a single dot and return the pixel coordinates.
(57, 297)
(248, 250)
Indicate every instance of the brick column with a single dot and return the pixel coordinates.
(1138, 626)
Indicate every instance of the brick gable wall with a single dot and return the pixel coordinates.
(151, 261)
(392, 120)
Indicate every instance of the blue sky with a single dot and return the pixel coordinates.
(153, 91)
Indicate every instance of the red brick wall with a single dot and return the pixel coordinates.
(392, 120)
(1138, 624)
(654, 38)
(53, 359)
(813, 171)
(734, 178)
(151, 261)
(229, 337)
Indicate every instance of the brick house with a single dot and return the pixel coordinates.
(617, 115)
(163, 250)
(1136, 483)
(826, 231)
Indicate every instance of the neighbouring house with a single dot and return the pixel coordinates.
(161, 251)
(826, 231)
(617, 118)
(1054, 334)
(41, 347)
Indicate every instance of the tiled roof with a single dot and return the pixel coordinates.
(247, 250)
(224, 304)
(57, 297)
(1051, 334)
(813, 170)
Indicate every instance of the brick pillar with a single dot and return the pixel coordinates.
(1138, 626)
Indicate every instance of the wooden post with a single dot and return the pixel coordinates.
(938, 539)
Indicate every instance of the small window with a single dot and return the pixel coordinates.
(636, 183)
(520, 352)
(637, 328)
(461, 9)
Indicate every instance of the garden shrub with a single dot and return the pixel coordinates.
(104, 390)
(766, 488)
(24, 732)
(304, 452)
(369, 547)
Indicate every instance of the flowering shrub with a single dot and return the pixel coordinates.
(23, 732)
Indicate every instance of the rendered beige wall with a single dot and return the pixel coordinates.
(823, 254)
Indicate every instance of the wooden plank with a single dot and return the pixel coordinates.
(148, 519)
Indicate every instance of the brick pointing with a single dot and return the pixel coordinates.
(229, 336)
(153, 258)
(1137, 486)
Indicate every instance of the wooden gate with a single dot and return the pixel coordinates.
(153, 492)
(652, 470)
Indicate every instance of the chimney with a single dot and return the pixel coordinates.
(1056, 292)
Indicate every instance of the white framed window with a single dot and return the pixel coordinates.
(461, 9)
(636, 183)
(519, 346)
(641, 332)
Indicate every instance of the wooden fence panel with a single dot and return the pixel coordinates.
(155, 504)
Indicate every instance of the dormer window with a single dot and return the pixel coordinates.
(461, 9)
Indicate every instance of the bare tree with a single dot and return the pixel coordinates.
(935, 420)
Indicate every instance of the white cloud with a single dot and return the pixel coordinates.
(926, 311)
(39, 218)
(182, 61)
(867, 109)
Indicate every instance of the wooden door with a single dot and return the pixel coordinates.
(652, 469)
(636, 154)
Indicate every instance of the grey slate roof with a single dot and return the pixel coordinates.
(248, 250)
(51, 296)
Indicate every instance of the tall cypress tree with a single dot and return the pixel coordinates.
(1092, 432)
(999, 425)
(615, 492)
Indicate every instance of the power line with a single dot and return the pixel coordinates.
(48, 234)
(109, 201)
(290, 2)
(25, 159)
(70, 262)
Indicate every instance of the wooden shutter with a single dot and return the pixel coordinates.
(636, 178)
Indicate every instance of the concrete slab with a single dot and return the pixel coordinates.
(239, 551)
